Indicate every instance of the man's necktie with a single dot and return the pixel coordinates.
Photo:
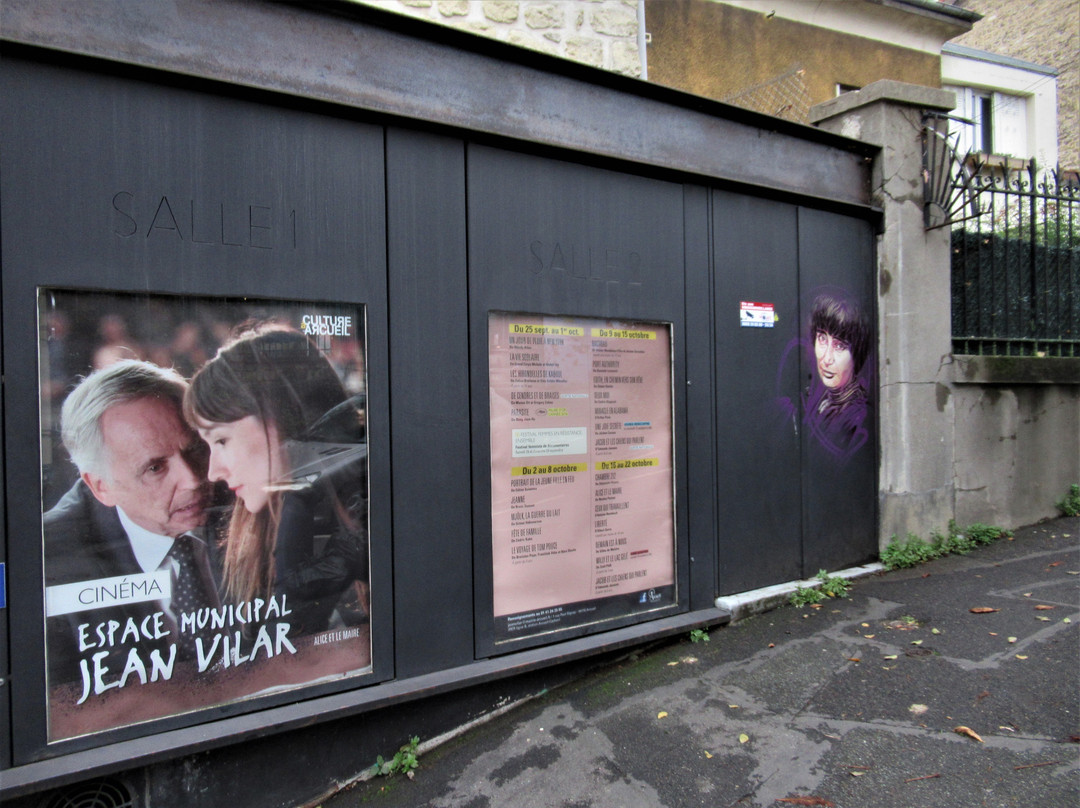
(191, 591)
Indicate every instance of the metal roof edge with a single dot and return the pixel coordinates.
(935, 8)
(996, 58)
(559, 65)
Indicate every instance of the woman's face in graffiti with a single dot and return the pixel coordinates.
(834, 363)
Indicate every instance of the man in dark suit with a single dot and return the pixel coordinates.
(124, 558)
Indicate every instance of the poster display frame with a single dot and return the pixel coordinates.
(598, 551)
(162, 474)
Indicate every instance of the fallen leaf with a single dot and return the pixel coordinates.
(1054, 564)
(903, 625)
(808, 801)
(1042, 607)
(1012, 639)
(992, 633)
(1027, 594)
(734, 706)
(869, 636)
(743, 737)
(772, 645)
(1044, 619)
(924, 777)
(917, 709)
(853, 659)
(661, 714)
(865, 625)
(856, 773)
(672, 664)
(707, 755)
(1036, 765)
(690, 660)
(982, 610)
(890, 656)
(1021, 656)
(968, 731)
(935, 631)
(1066, 620)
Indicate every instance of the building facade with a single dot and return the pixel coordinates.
(1045, 33)
(782, 58)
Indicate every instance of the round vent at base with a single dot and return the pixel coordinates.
(105, 793)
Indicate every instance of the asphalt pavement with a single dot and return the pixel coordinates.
(953, 684)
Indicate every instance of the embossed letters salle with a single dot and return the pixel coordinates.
(198, 222)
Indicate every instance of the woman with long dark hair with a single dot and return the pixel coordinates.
(288, 440)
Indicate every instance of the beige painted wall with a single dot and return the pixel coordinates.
(720, 51)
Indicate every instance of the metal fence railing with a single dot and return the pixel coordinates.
(1016, 264)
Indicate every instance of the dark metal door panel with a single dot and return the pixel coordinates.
(759, 494)
(840, 453)
(553, 237)
(429, 354)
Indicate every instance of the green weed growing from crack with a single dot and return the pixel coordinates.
(829, 586)
(914, 551)
(404, 761)
(1070, 504)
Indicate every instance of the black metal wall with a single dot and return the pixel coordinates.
(87, 161)
(429, 228)
(788, 506)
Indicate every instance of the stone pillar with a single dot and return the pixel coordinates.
(916, 486)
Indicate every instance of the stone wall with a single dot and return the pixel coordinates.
(1017, 450)
(600, 33)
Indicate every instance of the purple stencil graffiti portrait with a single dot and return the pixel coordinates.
(836, 403)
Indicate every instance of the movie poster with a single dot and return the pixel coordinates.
(582, 481)
(204, 502)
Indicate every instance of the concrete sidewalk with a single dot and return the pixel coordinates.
(852, 705)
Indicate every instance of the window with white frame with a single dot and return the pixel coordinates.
(996, 122)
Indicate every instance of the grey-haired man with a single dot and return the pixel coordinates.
(142, 485)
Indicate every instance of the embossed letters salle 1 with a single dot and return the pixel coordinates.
(230, 224)
(618, 272)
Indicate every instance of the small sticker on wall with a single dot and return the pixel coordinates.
(756, 315)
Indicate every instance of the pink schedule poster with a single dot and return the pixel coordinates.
(582, 483)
